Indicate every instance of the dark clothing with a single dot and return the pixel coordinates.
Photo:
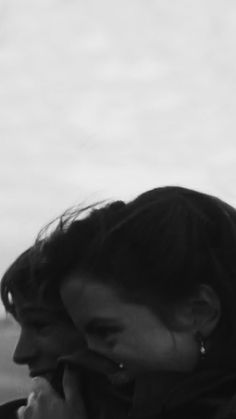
(204, 395)
(102, 401)
(9, 410)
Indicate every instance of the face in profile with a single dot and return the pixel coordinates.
(125, 332)
(45, 336)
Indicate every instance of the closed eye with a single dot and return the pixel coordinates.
(37, 325)
(104, 331)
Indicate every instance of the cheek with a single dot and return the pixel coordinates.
(67, 341)
(52, 342)
(121, 346)
(142, 346)
(97, 344)
(48, 345)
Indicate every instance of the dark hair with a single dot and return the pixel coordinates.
(156, 250)
(36, 268)
(16, 280)
(172, 240)
(72, 243)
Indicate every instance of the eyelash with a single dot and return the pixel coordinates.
(104, 332)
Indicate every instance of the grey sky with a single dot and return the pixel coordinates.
(103, 99)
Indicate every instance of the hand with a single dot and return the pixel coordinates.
(44, 402)
(91, 361)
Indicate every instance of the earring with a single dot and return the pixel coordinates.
(202, 345)
(121, 366)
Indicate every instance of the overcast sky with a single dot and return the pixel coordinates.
(105, 99)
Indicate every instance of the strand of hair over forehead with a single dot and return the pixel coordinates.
(70, 222)
(62, 222)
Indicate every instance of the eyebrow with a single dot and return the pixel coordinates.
(42, 313)
(34, 311)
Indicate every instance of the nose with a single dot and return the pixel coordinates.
(26, 350)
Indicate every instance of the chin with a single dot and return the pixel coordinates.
(48, 375)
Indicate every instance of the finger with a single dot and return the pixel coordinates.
(72, 391)
(40, 384)
(91, 361)
(26, 412)
(31, 398)
(42, 388)
(71, 384)
(21, 412)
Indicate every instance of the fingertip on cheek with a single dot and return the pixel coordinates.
(39, 383)
(20, 412)
(31, 397)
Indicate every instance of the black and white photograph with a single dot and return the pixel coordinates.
(118, 209)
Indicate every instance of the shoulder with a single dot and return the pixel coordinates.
(8, 410)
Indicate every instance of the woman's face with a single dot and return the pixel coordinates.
(45, 335)
(125, 332)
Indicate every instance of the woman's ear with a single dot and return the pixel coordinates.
(200, 313)
(206, 309)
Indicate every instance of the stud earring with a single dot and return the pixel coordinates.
(121, 366)
(202, 345)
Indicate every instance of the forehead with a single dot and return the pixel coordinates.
(87, 299)
(32, 305)
(88, 294)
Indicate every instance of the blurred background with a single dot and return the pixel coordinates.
(103, 99)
